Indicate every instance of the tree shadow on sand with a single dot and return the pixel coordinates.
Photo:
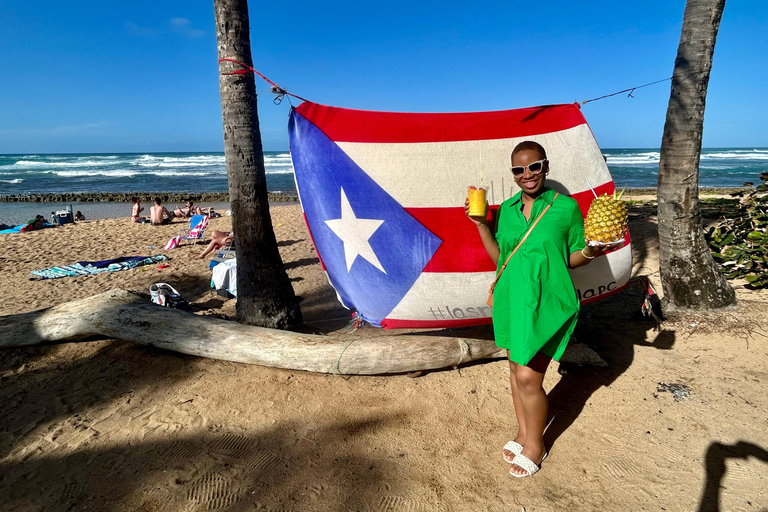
(39, 390)
(59, 402)
(282, 467)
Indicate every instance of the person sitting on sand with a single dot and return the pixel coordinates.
(218, 239)
(137, 209)
(160, 214)
(189, 210)
(79, 215)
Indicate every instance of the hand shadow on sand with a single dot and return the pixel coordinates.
(714, 463)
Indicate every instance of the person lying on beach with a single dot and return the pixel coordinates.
(34, 224)
(79, 215)
(210, 211)
(160, 214)
(137, 209)
(189, 210)
(218, 239)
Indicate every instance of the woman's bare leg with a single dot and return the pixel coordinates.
(209, 249)
(530, 380)
(518, 405)
(218, 238)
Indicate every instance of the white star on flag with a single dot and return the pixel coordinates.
(354, 234)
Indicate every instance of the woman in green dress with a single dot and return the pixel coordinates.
(535, 304)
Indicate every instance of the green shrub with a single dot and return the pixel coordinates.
(740, 242)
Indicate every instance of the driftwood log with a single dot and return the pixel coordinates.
(130, 316)
(127, 315)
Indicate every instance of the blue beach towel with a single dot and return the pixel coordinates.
(84, 268)
(17, 229)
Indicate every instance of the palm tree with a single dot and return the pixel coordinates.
(690, 277)
(265, 296)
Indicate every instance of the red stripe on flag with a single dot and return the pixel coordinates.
(462, 249)
(347, 125)
(394, 323)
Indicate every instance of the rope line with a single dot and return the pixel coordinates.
(633, 89)
(281, 92)
(630, 91)
(274, 89)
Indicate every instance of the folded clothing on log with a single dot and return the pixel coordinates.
(84, 268)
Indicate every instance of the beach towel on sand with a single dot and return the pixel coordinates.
(17, 229)
(84, 268)
(172, 243)
(383, 197)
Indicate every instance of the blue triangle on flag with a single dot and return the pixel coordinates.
(401, 244)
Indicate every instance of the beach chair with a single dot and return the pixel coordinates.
(196, 230)
(222, 254)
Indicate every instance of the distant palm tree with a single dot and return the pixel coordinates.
(690, 277)
(264, 293)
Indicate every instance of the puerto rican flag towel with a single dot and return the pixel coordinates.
(383, 198)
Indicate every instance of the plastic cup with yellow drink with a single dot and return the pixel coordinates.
(477, 203)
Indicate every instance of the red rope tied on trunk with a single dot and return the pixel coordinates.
(274, 89)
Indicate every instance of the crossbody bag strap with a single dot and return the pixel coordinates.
(498, 274)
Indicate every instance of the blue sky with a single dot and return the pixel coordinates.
(141, 76)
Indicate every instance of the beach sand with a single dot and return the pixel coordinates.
(677, 421)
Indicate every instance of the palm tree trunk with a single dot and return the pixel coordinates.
(690, 277)
(265, 296)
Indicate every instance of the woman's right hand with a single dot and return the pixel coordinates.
(479, 220)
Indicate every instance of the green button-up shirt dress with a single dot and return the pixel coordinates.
(535, 307)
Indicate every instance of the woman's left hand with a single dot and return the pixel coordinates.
(593, 251)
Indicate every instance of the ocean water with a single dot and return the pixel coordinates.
(137, 172)
(206, 172)
(718, 167)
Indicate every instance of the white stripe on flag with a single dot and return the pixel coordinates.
(438, 173)
(463, 295)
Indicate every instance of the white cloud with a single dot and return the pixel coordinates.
(136, 30)
(183, 27)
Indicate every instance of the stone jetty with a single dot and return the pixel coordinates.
(146, 197)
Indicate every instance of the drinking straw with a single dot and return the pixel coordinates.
(590, 187)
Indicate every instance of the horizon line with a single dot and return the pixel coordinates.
(288, 151)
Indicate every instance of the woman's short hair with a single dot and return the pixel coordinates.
(529, 145)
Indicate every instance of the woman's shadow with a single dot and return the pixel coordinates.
(613, 327)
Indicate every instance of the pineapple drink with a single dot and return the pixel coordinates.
(476, 201)
(606, 220)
